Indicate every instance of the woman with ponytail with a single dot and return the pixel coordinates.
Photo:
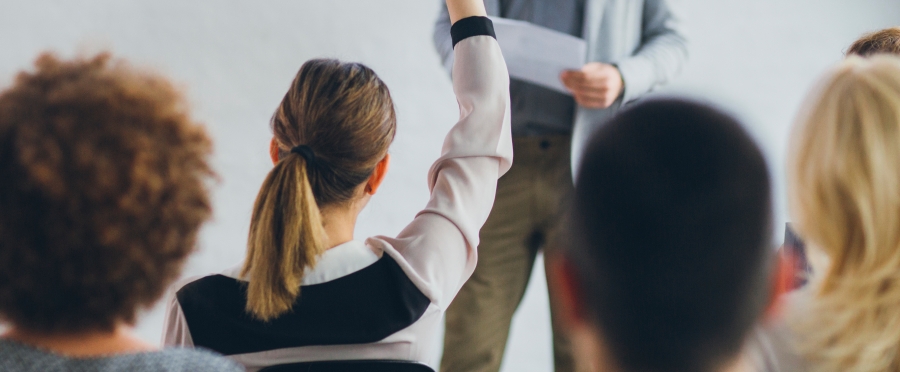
(308, 290)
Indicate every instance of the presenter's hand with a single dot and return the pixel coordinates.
(596, 85)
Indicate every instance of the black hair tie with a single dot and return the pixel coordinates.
(306, 152)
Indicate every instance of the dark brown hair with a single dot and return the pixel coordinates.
(345, 116)
(669, 236)
(884, 41)
(102, 191)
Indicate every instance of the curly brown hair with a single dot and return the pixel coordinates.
(103, 187)
(883, 41)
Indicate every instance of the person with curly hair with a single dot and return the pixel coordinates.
(886, 41)
(103, 188)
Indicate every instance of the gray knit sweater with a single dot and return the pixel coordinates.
(16, 357)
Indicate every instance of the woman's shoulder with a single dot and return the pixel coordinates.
(772, 344)
(770, 348)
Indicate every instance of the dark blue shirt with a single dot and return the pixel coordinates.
(537, 110)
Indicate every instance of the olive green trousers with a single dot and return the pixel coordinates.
(531, 200)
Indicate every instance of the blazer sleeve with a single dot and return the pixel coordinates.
(661, 55)
(438, 249)
(441, 37)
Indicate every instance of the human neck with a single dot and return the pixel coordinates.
(592, 354)
(339, 223)
(84, 344)
(739, 364)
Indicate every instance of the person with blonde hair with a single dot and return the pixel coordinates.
(844, 190)
(308, 290)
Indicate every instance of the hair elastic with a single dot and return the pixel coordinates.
(306, 152)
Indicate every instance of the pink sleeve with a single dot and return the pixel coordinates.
(438, 249)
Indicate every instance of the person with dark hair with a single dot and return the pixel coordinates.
(666, 262)
(308, 290)
(885, 41)
(103, 179)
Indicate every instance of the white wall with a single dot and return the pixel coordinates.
(759, 58)
(236, 59)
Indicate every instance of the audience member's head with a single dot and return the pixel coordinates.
(667, 264)
(331, 136)
(844, 190)
(102, 191)
(886, 41)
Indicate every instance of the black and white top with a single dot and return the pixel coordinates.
(16, 357)
(382, 298)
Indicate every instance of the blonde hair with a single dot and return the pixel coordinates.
(343, 115)
(844, 188)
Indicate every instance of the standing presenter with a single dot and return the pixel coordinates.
(633, 47)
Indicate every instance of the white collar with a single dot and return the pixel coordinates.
(336, 262)
(340, 261)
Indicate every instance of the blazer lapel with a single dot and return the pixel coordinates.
(492, 7)
(593, 17)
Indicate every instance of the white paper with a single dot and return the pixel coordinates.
(538, 54)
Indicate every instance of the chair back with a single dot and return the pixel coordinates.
(351, 366)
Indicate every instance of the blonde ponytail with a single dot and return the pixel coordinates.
(339, 117)
(286, 237)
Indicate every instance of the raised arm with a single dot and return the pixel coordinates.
(459, 9)
(441, 37)
(662, 53)
(438, 249)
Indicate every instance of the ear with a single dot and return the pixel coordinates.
(566, 290)
(378, 175)
(274, 150)
(588, 346)
(782, 282)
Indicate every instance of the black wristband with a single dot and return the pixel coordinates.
(471, 26)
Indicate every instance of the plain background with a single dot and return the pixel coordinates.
(236, 59)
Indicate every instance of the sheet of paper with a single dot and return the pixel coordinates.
(538, 54)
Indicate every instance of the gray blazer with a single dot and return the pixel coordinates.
(643, 38)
